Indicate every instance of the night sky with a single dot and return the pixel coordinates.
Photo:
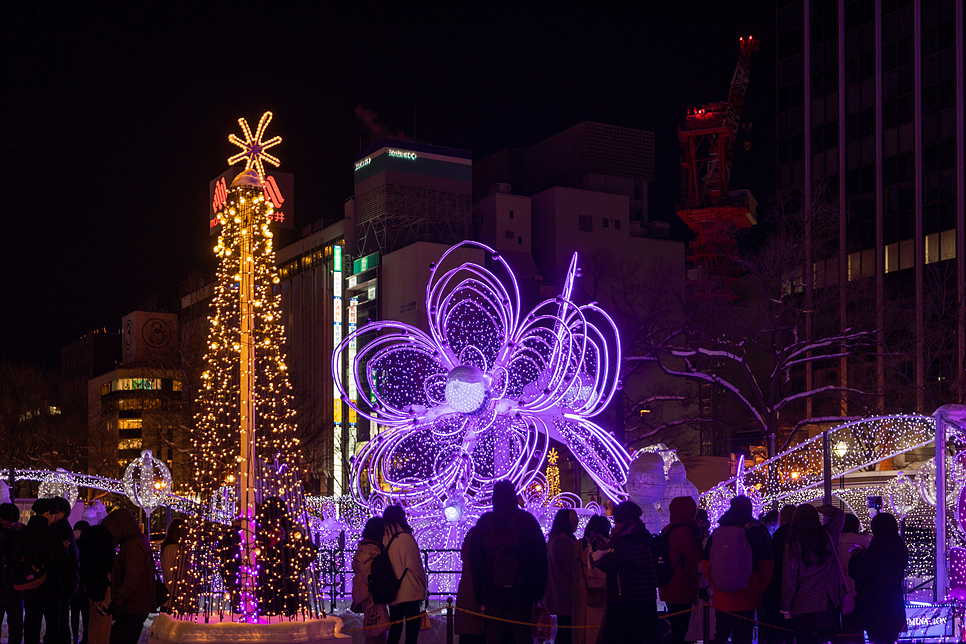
(116, 116)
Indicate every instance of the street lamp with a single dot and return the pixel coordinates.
(841, 449)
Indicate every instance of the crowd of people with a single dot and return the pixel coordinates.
(86, 584)
(799, 578)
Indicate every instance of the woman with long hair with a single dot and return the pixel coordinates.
(811, 579)
(170, 549)
(375, 617)
(590, 592)
(563, 558)
(878, 573)
(407, 564)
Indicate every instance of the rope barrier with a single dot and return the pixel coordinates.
(398, 621)
(581, 626)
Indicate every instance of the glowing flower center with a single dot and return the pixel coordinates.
(466, 388)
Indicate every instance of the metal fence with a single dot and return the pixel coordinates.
(442, 566)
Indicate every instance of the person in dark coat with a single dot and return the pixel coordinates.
(70, 576)
(11, 601)
(631, 580)
(80, 606)
(563, 556)
(878, 573)
(38, 542)
(133, 589)
(96, 550)
(685, 552)
(770, 614)
(508, 560)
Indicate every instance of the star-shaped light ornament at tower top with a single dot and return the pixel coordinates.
(253, 148)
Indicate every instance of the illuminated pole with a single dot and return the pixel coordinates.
(337, 453)
(249, 182)
(246, 364)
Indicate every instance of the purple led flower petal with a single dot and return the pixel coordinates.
(477, 399)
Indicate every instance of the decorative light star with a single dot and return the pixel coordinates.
(253, 148)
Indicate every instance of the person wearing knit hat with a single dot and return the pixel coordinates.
(631, 597)
(626, 511)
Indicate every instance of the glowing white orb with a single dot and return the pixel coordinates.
(453, 512)
(466, 389)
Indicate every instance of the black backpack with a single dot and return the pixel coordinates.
(28, 569)
(661, 554)
(501, 556)
(383, 584)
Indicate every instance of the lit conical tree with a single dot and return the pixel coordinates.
(244, 444)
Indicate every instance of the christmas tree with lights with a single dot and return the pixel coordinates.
(248, 555)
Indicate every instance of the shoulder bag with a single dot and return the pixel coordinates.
(848, 596)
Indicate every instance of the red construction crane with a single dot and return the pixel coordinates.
(708, 207)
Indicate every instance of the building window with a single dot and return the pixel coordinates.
(130, 423)
(511, 214)
(586, 224)
(129, 443)
(605, 222)
(131, 384)
(509, 234)
(520, 241)
(617, 224)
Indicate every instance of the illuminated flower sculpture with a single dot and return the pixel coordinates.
(477, 399)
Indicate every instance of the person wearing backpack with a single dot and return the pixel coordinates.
(11, 601)
(812, 588)
(39, 558)
(370, 545)
(680, 591)
(738, 562)
(564, 577)
(631, 580)
(407, 566)
(133, 589)
(508, 560)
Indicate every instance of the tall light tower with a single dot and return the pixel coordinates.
(244, 443)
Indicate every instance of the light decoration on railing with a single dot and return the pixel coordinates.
(147, 481)
(901, 494)
(957, 556)
(58, 483)
(801, 467)
(477, 399)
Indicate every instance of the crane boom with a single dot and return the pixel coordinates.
(707, 205)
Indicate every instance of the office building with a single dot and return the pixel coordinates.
(587, 156)
(312, 286)
(138, 405)
(407, 192)
(870, 124)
